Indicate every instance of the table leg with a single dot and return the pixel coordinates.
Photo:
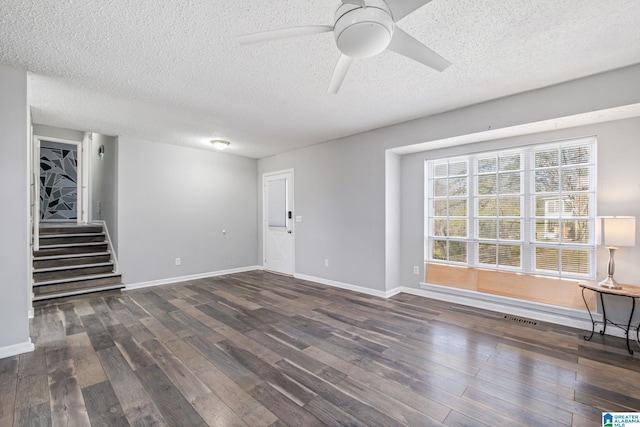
(633, 308)
(604, 315)
(593, 324)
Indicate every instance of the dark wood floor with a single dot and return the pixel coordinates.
(256, 349)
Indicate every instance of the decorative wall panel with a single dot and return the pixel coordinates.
(58, 181)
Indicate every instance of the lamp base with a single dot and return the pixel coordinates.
(609, 283)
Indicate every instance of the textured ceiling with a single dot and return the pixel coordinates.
(173, 72)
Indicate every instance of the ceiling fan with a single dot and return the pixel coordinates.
(363, 28)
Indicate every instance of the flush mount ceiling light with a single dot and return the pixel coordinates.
(220, 144)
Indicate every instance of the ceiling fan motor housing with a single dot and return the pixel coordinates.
(362, 32)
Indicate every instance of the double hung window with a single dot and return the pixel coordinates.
(529, 210)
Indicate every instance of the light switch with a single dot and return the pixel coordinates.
(298, 218)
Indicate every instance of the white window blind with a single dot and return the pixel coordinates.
(529, 210)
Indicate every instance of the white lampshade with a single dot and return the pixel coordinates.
(616, 230)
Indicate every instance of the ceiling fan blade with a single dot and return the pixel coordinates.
(339, 73)
(401, 8)
(406, 45)
(283, 33)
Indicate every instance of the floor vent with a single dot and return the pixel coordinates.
(521, 320)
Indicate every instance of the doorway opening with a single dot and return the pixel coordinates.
(55, 170)
(59, 181)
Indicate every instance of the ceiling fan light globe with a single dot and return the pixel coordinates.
(363, 32)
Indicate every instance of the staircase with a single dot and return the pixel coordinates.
(73, 260)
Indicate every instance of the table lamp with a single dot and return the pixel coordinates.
(612, 232)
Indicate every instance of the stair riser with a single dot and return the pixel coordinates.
(52, 290)
(71, 229)
(65, 262)
(71, 239)
(72, 250)
(70, 274)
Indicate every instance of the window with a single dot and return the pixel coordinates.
(528, 210)
(449, 208)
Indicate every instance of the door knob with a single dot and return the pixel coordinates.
(289, 231)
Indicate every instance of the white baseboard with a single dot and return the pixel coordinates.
(12, 350)
(349, 287)
(170, 280)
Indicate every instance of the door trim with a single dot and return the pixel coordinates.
(264, 216)
(35, 191)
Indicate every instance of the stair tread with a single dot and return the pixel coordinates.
(76, 279)
(68, 227)
(72, 267)
(67, 256)
(69, 230)
(65, 235)
(77, 292)
(71, 245)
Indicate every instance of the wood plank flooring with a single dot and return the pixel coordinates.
(256, 349)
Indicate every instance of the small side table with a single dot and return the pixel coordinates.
(632, 292)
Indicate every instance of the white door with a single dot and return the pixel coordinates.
(278, 222)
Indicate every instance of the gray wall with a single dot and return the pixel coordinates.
(598, 92)
(14, 222)
(393, 220)
(340, 194)
(56, 132)
(175, 202)
(104, 183)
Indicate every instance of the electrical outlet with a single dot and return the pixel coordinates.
(416, 270)
(326, 263)
(178, 261)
